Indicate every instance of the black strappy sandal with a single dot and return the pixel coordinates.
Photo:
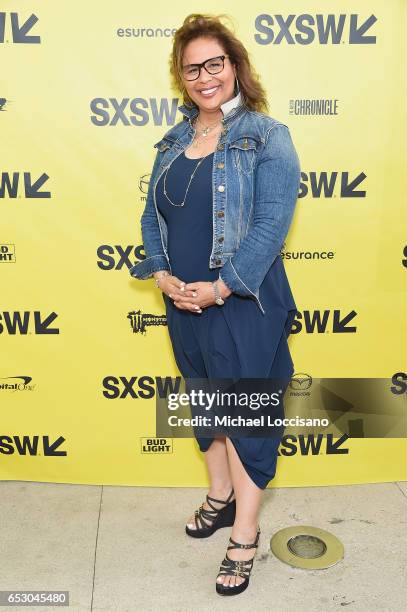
(230, 567)
(211, 520)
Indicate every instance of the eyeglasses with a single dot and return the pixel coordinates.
(213, 65)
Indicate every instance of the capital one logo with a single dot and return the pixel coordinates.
(20, 29)
(305, 29)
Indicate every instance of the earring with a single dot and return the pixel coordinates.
(237, 89)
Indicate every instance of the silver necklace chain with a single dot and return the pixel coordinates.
(189, 182)
(208, 128)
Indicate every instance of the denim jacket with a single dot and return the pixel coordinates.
(255, 182)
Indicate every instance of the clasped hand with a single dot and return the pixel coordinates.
(192, 296)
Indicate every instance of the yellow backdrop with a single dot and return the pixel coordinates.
(84, 95)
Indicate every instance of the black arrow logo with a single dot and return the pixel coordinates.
(41, 327)
(348, 189)
(339, 325)
(50, 449)
(356, 35)
(332, 448)
(20, 32)
(32, 189)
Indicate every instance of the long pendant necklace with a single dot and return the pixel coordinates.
(190, 180)
(195, 145)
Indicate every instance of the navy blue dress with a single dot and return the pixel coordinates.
(234, 340)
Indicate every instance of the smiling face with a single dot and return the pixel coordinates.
(219, 87)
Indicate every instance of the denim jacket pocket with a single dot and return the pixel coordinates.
(244, 153)
(164, 145)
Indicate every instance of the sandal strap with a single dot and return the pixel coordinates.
(239, 545)
(230, 567)
(207, 517)
(219, 501)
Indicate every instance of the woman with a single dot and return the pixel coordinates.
(221, 198)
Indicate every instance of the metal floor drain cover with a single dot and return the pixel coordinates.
(306, 547)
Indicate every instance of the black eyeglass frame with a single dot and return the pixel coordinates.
(202, 65)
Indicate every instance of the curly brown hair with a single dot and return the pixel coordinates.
(197, 25)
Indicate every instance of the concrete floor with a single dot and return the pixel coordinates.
(124, 549)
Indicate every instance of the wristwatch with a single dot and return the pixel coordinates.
(218, 299)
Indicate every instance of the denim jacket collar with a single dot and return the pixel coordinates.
(230, 109)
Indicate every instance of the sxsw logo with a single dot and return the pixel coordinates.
(23, 184)
(312, 445)
(305, 29)
(23, 323)
(32, 445)
(19, 28)
(133, 111)
(324, 321)
(114, 257)
(140, 387)
(399, 380)
(331, 185)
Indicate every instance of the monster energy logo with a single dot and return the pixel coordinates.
(139, 322)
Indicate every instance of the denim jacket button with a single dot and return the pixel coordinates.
(221, 213)
(220, 239)
(220, 147)
(220, 165)
(221, 188)
(218, 261)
